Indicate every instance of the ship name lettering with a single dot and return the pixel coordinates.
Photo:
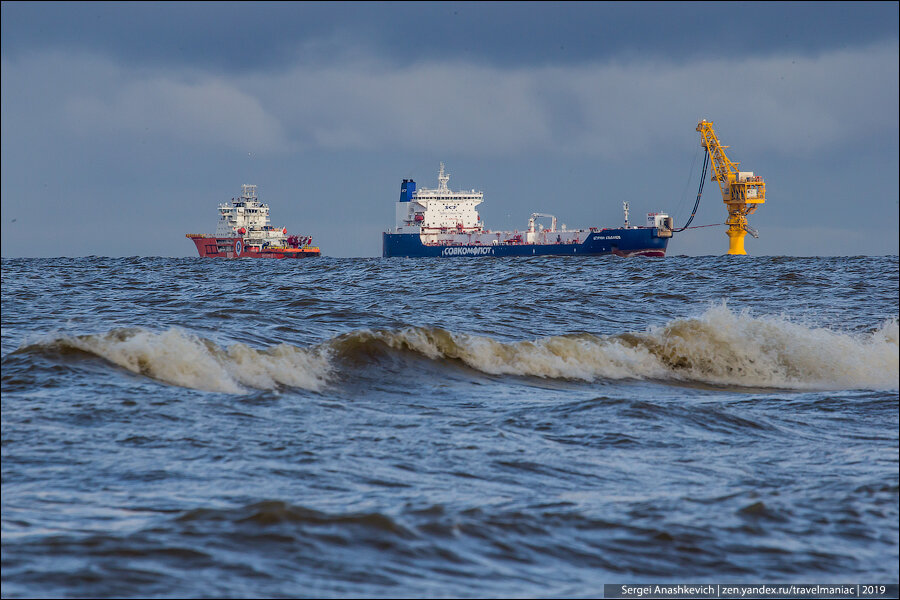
(466, 251)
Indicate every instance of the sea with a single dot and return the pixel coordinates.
(394, 428)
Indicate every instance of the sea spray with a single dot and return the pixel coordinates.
(725, 347)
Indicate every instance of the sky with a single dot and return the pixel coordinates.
(124, 125)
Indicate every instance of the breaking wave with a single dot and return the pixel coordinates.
(720, 347)
(179, 358)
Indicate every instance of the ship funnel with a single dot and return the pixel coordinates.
(407, 190)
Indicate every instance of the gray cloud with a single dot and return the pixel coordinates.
(784, 105)
(209, 111)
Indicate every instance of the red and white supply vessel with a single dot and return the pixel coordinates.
(243, 231)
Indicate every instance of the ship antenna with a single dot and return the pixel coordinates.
(625, 207)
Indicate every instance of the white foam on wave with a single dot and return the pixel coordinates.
(725, 347)
(179, 358)
(719, 347)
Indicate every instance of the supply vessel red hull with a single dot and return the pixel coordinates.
(212, 247)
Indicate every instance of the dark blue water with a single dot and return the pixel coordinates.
(397, 428)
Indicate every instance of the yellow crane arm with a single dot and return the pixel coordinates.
(724, 171)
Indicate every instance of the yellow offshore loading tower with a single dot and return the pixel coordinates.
(742, 191)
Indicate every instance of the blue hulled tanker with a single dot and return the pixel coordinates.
(441, 222)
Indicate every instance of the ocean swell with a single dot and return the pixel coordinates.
(720, 347)
(180, 358)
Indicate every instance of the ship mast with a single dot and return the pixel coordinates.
(248, 192)
(442, 180)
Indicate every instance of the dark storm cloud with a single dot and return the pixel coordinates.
(237, 35)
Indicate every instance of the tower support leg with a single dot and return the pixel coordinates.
(736, 233)
(736, 240)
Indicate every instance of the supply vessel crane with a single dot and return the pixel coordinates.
(742, 191)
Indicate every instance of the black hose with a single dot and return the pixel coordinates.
(699, 192)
